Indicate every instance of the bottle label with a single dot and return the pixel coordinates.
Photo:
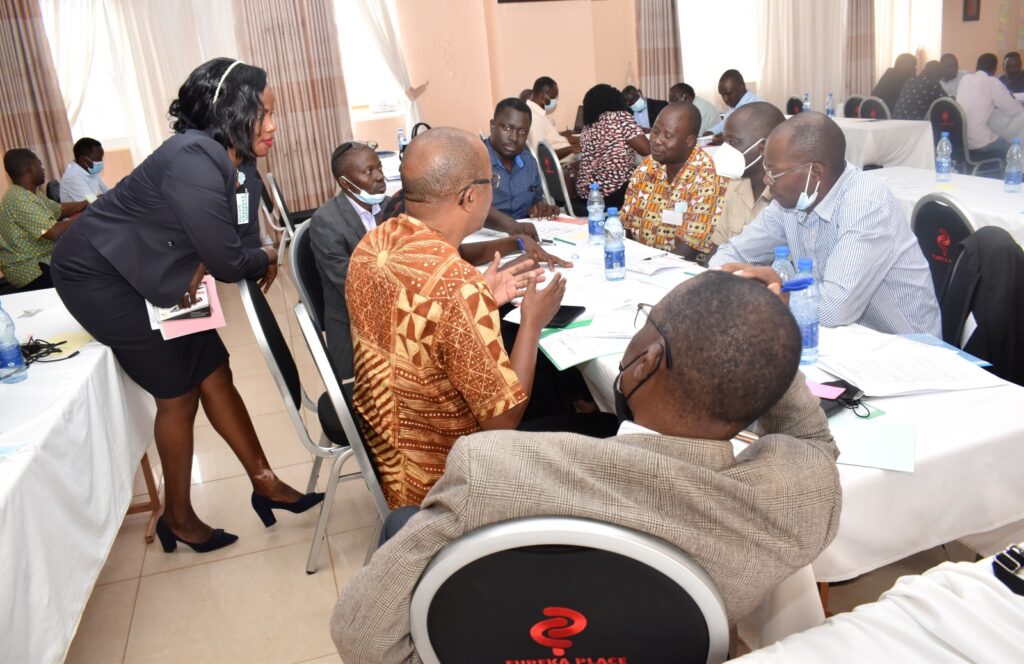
(596, 225)
(10, 357)
(1013, 177)
(808, 334)
(615, 259)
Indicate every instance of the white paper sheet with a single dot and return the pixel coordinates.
(880, 442)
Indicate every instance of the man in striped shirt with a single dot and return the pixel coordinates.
(866, 259)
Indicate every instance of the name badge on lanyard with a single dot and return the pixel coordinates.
(242, 203)
(674, 217)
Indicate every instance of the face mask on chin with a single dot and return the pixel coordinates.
(622, 410)
(731, 163)
(806, 201)
(639, 105)
(365, 196)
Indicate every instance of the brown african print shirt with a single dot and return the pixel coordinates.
(429, 361)
(697, 191)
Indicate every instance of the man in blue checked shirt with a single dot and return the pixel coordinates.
(519, 193)
(866, 259)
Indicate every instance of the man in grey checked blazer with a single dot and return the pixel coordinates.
(717, 353)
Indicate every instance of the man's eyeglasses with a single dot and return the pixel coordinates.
(643, 316)
(772, 177)
(494, 181)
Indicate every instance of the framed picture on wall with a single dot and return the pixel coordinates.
(972, 10)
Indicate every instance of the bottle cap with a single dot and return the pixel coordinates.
(945, 134)
(613, 211)
(595, 186)
(1016, 141)
(782, 251)
(805, 264)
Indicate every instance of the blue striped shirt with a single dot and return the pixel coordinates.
(518, 190)
(866, 259)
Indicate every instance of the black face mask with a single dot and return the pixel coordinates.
(622, 410)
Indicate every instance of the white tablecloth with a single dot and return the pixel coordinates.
(888, 142)
(953, 613)
(984, 198)
(71, 437)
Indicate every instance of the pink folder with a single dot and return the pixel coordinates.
(172, 329)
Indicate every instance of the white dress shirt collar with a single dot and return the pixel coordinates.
(368, 217)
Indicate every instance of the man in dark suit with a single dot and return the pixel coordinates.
(891, 83)
(335, 229)
(645, 110)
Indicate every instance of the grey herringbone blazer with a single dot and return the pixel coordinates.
(750, 521)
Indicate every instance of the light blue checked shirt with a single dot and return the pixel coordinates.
(866, 259)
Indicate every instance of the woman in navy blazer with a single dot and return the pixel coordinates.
(188, 209)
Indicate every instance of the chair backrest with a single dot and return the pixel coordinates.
(794, 105)
(851, 107)
(417, 128)
(341, 400)
(548, 198)
(543, 587)
(874, 108)
(551, 173)
(277, 355)
(282, 209)
(578, 126)
(53, 190)
(940, 224)
(947, 115)
(306, 275)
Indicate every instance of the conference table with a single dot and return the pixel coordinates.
(888, 142)
(71, 437)
(967, 463)
(983, 198)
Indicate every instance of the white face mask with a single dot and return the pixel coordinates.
(365, 196)
(551, 105)
(639, 105)
(731, 163)
(806, 201)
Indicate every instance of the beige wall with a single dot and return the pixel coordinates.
(968, 40)
(476, 52)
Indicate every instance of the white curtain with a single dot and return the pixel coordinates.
(907, 26)
(378, 20)
(706, 53)
(804, 51)
(75, 22)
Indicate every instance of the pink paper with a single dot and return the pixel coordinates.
(179, 328)
(824, 391)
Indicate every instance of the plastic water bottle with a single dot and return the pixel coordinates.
(830, 109)
(402, 142)
(595, 214)
(943, 158)
(12, 364)
(803, 304)
(1011, 181)
(807, 101)
(782, 265)
(614, 247)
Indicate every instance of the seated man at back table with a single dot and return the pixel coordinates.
(674, 197)
(741, 158)
(81, 179)
(985, 99)
(429, 361)
(30, 223)
(866, 259)
(519, 193)
(709, 115)
(733, 90)
(542, 103)
(919, 92)
(951, 74)
(891, 83)
(1013, 77)
(715, 354)
(645, 110)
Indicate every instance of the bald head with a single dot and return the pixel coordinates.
(440, 163)
(812, 136)
(758, 119)
(675, 133)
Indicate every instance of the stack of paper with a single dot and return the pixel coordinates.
(171, 327)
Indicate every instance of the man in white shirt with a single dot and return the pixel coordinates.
(734, 93)
(81, 179)
(709, 115)
(951, 74)
(543, 102)
(984, 100)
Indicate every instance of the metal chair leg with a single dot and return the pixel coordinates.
(325, 512)
(314, 475)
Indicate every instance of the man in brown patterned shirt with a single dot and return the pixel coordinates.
(429, 362)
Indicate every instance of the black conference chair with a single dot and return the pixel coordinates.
(794, 105)
(940, 224)
(987, 282)
(289, 220)
(547, 587)
(53, 190)
(554, 178)
(851, 107)
(417, 128)
(333, 444)
(947, 115)
(874, 108)
(307, 277)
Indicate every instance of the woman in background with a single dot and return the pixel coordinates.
(187, 209)
(610, 141)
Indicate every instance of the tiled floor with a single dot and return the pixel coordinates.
(253, 601)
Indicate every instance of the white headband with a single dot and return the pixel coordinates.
(222, 77)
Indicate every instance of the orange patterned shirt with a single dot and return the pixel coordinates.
(697, 191)
(429, 361)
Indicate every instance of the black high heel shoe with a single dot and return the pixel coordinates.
(217, 540)
(264, 506)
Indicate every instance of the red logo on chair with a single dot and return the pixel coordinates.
(561, 623)
(873, 113)
(942, 240)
